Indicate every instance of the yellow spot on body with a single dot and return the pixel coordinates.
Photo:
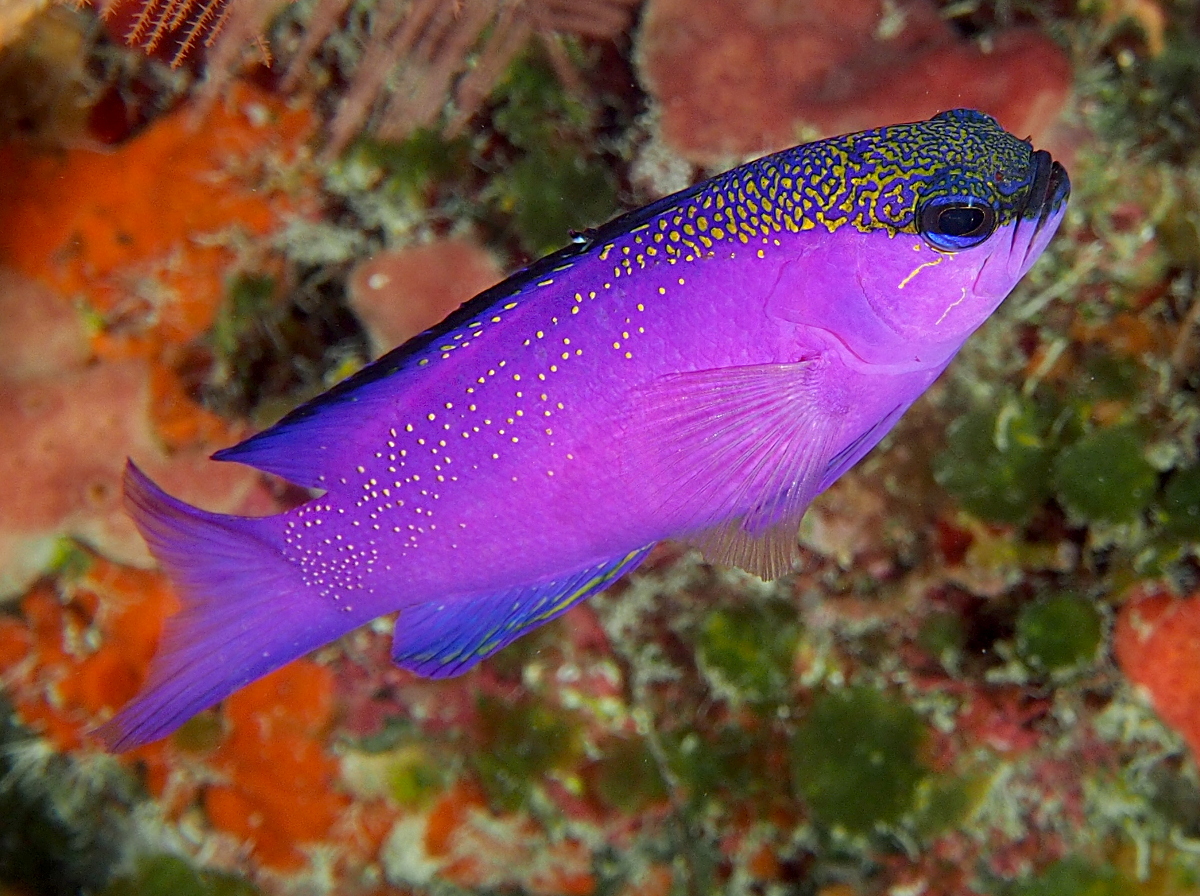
(509, 307)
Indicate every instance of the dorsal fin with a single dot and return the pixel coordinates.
(291, 448)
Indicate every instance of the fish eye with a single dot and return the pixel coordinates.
(953, 224)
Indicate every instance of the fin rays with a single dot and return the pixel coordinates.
(747, 444)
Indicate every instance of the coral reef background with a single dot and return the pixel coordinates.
(982, 681)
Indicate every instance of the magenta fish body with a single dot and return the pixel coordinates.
(699, 369)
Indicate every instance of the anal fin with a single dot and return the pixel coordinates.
(440, 639)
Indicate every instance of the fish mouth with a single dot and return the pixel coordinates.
(1050, 187)
(1047, 195)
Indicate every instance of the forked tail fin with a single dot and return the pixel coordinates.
(246, 611)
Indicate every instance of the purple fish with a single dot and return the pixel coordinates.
(698, 369)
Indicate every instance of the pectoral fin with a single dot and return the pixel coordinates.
(738, 453)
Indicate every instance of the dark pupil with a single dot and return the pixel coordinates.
(960, 220)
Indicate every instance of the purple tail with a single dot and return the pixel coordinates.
(245, 611)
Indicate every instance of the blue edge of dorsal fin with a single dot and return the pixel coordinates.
(441, 639)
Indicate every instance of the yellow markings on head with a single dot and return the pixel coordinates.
(509, 307)
(545, 282)
(918, 269)
(951, 306)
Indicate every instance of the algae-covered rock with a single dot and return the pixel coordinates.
(749, 649)
(856, 759)
(1105, 476)
(167, 875)
(1059, 633)
(1180, 507)
(1076, 877)
(627, 777)
(997, 464)
(522, 741)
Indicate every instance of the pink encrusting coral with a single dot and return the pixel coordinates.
(398, 293)
(738, 79)
(66, 424)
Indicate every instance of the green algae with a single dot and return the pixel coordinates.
(553, 191)
(1105, 476)
(943, 803)
(943, 635)
(856, 761)
(406, 169)
(1059, 633)
(998, 463)
(168, 875)
(70, 560)
(1111, 377)
(627, 777)
(1152, 100)
(522, 741)
(1075, 877)
(558, 182)
(750, 649)
(533, 107)
(248, 299)
(1179, 509)
(414, 778)
(726, 760)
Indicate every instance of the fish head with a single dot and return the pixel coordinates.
(982, 208)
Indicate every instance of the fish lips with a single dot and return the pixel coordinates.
(1044, 204)
(1049, 190)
